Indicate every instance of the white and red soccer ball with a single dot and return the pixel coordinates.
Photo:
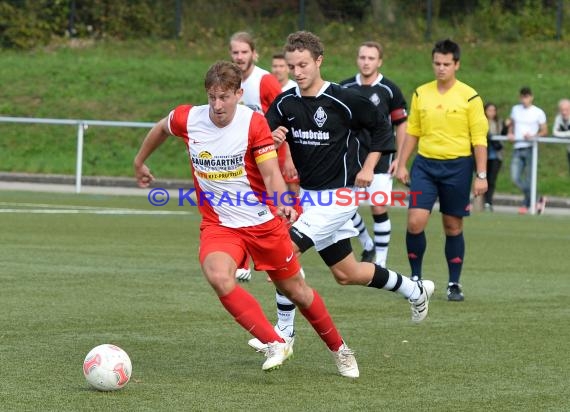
(107, 367)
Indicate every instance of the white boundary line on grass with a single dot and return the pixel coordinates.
(44, 208)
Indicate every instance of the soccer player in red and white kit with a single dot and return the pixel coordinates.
(259, 86)
(259, 90)
(232, 154)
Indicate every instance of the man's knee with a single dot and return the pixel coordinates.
(341, 277)
(417, 222)
(452, 225)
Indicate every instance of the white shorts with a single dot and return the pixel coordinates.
(380, 190)
(323, 220)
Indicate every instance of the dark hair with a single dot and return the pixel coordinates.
(304, 40)
(525, 91)
(374, 44)
(223, 74)
(496, 119)
(279, 56)
(447, 46)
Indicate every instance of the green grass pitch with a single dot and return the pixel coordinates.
(80, 270)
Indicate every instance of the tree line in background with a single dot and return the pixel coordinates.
(26, 24)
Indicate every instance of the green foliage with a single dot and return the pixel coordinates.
(123, 19)
(531, 20)
(28, 24)
(32, 24)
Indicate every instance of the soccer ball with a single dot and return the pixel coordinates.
(107, 367)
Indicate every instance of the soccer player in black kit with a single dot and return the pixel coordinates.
(390, 102)
(317, 118)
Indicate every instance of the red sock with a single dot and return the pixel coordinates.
(318, 316)
(248, 313)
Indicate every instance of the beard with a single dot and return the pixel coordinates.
(245, 65)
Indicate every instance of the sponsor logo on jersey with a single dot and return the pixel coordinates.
(320, 116)
(318, 135)
(230, 174)
(205, 155)
(208, 160)
(375, 99)
(221, 167)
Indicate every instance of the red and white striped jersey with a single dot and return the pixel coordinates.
(259, 90)
(229, 186)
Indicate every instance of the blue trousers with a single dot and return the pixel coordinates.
(521, 169)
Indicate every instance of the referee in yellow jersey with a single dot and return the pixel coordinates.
(448, 125)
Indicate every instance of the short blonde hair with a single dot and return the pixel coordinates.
(243, 37)
(374, 44)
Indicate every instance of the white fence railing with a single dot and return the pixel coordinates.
(534, 167)
(82, 125)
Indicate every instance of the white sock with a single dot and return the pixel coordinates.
(363, 236)
(286, 312)
(382, 232)
(407, 288)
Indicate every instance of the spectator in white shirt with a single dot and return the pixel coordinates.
(561, 126)
(527, 123)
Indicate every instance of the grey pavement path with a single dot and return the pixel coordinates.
(503, 204)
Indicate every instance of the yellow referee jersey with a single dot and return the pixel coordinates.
(447, 125)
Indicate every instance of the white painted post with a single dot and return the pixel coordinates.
(534, 177)
(79, 161)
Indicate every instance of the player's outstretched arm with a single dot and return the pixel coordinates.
(155, 137)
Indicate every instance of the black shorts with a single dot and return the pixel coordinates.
(448, 180)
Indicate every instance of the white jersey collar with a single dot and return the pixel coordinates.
(321, 90)
(379, 78)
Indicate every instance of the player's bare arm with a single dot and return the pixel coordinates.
(275, 184)
(480, 185)
(155, 137)
(400, 136)
(365, 176)
(289, 168)
(279, 135)
(408, 146)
